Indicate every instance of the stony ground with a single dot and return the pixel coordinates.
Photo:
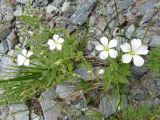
(73, 14)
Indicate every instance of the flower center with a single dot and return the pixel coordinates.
(132, 53)
(106, 48)
(56, 43)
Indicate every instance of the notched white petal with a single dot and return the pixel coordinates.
(59, 47)
(104, 41)
(24, 52)
(126, 58)
(52, 47)
(56, 37)
(112, 43)
(125, 47)
(138, 60)
(29, 53)
(103, 55)
(99, 47)
(143, 50)
(135, 44)
(113, 53)
(26, 63)
(60, 40)
(50, 42)
(20, 60)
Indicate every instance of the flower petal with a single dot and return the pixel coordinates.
(59, 47)
(113, 53)
(104, 41)
(24, 52)
(112, 43)
(29, 53)
(20, 59)
(52, 47)
(56, 37)
(50, 42)
(125, 47)
(126, 58)
(26, 63)
(143, 50)
(60, 40)
(103, 55)
(138, 60)
(99, 47)
(135, 44)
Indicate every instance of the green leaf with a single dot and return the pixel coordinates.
(70, 67)
(153, 61)
(116, 73)
(79, 56)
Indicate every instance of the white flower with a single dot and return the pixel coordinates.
(55, 43)
(24, 58)
(101, 71)
(106, 48)
(134, 51)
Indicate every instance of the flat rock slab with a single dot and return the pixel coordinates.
(110, 104)
(81, 14)
(148, 15)
(155, 42)
(142, 8)
(14, 112)
(51, 109)
(4, 30)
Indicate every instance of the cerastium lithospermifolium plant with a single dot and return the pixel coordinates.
(52, 55)
(50, 59)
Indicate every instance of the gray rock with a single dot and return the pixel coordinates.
(18, 11)
(7, 13)
(5, 66)
(81, 14)
(51, 8)
(125, 4)
(138, 72)
(5, 29)
(14, 108)
(85, 74)
(140, 34)
(41, 3)
(138, 93)
(65, 6)
(102, 24)
(130, 31)
(110, 104)
(64, 90)
(22, 1)
(51, 109)
(14, 112)
(58, 3)
(113, 24)
(110, 10)
(95, 31)
(36, 117)
(155, 41)
(147, 5)
(11, 40)
(4, 112)
(22, 116)
(151, 84)
(148, 15)
(2, 49)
